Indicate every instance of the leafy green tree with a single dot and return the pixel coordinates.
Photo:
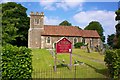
(0, 26)
(15, 24)
(117, 18)
(94, 25)
(110, 40)
(65, 23)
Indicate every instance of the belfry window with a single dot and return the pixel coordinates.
(36, 21)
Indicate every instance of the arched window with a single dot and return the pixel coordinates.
(91, 42)
(75, 40)
(83, 40)
(48, 39)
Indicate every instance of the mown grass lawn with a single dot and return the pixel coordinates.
(43, 63)
(93, 55)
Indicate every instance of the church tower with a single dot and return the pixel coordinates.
(35, 30)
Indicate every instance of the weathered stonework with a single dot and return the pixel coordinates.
(36, 39)
(35, 30)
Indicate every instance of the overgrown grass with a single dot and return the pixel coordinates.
(43, 61)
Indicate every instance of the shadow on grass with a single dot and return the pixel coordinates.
(101, 71)
(62, 66)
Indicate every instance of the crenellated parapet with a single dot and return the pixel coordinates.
(37, 13)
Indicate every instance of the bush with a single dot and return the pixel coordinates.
(16, 62)
(78, 45)
(112, 59)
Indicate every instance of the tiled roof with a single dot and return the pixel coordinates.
(54, 30)
(90, 33)
(61, 30)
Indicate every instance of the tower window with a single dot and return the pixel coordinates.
(36, 21)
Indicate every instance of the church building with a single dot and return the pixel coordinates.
(45, 36)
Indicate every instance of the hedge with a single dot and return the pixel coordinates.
(78, 45)
(112, 59)
(16, 63)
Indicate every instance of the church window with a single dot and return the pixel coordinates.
(91, 41)
(83, 40)
(36, 21)
(48, 39)
(75, 40)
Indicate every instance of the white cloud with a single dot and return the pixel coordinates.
(4, 1)
(106, 18)
(73, 3)
(64, 4)
(49, 7)
(48, 4)
(52, 20)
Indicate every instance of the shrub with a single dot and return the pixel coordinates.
(78, 45)
(16, 62)
(112, 59)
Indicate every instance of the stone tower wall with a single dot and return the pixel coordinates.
(35, 30)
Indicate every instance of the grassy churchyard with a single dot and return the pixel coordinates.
(89, 65)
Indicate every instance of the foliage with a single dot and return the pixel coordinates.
(110, 39)
(65, 23)
(16, 62)
(117, 43)
(117, 12)
(94, 25)
(117, 18)
(117, 30)
(15, 24)
(78, 45)
(112, 59)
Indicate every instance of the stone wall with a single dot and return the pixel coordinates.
(34, 38)
(92, 42)
(54, 39)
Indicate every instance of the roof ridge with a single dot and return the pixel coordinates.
(90, 30)
(59, 25)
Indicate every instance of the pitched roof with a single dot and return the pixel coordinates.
(90, 33)
(53, 30)
(61, 30)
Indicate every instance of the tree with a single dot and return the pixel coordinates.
(117, 18)
(65, 23)
(110, 40)
(15, 24)
(94, 25)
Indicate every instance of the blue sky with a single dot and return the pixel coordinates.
(77, 12)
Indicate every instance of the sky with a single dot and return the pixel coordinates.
(77, 12)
